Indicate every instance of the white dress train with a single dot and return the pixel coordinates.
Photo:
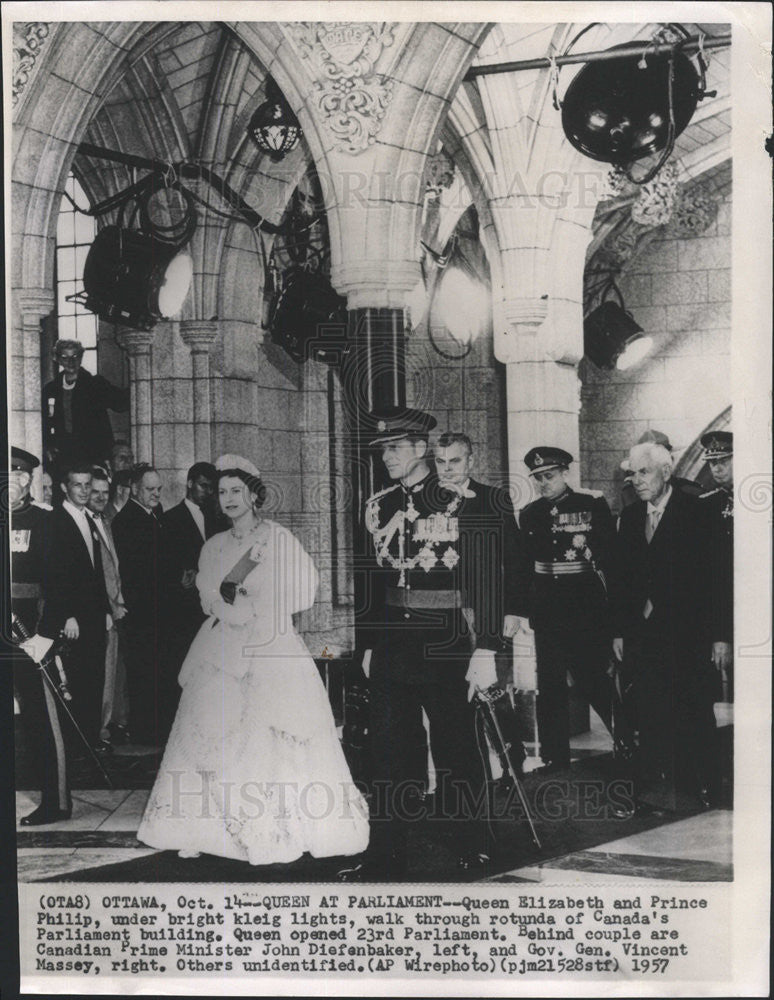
(253, 769)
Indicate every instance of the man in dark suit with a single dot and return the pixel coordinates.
(689, 486)
(138, 535)
(75, 601)
(188, 525)
(487, 525)
(565, 540)
(76, 425)
(661, 607)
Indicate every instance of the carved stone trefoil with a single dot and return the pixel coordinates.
(350, 97)
(28, 38)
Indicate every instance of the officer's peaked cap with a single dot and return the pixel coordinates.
(544, 457)
(23, 461)
(717, 444)
(396, 422)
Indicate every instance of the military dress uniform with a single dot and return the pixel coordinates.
(718, 505)
(422, 646)
(41, 716)
(565, 558)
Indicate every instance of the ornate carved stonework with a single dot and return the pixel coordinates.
(349, 95)
(28, 37)
(695, 210)
(656, 199)
(440, 172)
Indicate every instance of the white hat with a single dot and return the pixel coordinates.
(236, 462)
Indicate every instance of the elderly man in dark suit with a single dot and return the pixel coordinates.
(138, 533)
(661, 610)
(75, 600)
(76, 425)
(188, 525)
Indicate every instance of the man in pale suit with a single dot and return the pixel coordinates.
(115, 698)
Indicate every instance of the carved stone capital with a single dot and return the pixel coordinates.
(198, 335)
(375, 284)
(135, 342)
(34, 304)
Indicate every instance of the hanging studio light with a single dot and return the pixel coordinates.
(621, 110)
(612, 339)
(273, 127)
(309, 318)
(134, 279)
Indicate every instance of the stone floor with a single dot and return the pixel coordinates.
(103, 825)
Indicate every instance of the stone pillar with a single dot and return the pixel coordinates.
(137, 344)
(199, 336)
(543, 404)
(542, 393)
(26, 429)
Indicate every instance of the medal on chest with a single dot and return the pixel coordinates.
(576, 523)
(20, 539)
(429, 532)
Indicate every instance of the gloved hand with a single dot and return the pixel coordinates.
(36, 647)
(482, 672)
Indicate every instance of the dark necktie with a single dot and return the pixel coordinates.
(97, 546)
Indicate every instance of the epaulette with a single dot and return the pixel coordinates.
(710, 493)
(382, 493)
(589, 493)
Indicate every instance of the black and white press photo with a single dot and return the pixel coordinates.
(388, 498)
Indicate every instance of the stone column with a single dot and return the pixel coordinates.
(373, 376)
(26, 429)
(199, 336)
(540, 347)
(137, 344)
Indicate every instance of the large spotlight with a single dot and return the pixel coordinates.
(308, 318)
(274, 128)
(134, 279)
(623, 109)
(612, 339)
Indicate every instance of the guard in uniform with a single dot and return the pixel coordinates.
(420, 646)
(566, 540)
(40, 712)
(719, 506)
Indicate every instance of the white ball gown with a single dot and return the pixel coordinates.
(253, 769)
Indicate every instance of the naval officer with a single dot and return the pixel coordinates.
(566, 542)
(41, 715)
(420, 652)
(719, 506)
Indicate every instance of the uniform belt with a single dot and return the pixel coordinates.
(564, 568)
(25, 590)
(400, 597)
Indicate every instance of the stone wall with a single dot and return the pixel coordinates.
(466, 395)
(679, 291)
